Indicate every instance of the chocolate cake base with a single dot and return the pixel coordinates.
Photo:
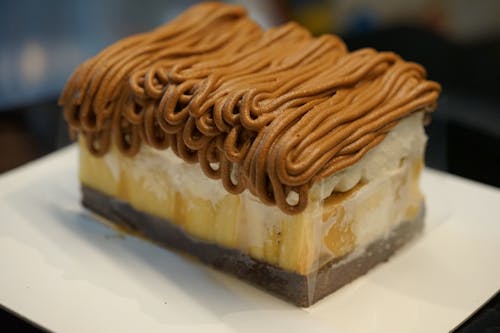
(303, 290)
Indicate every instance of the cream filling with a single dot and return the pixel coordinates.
(407, 139)
(376, 208)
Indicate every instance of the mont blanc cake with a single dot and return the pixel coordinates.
(276, 156)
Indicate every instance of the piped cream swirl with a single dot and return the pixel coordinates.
(269, 111)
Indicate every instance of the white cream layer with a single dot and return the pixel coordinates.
(407, 139)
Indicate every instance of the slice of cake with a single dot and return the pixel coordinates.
(270, 154)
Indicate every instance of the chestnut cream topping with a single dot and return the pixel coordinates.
(269, 111)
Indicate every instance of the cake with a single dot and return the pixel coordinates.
(273, 155)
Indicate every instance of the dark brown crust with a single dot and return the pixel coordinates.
(302, 290)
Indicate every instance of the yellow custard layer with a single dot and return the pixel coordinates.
(329, 228)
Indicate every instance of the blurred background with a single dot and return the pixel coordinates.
(458, 41)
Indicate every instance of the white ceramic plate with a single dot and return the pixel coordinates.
(68, 273)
